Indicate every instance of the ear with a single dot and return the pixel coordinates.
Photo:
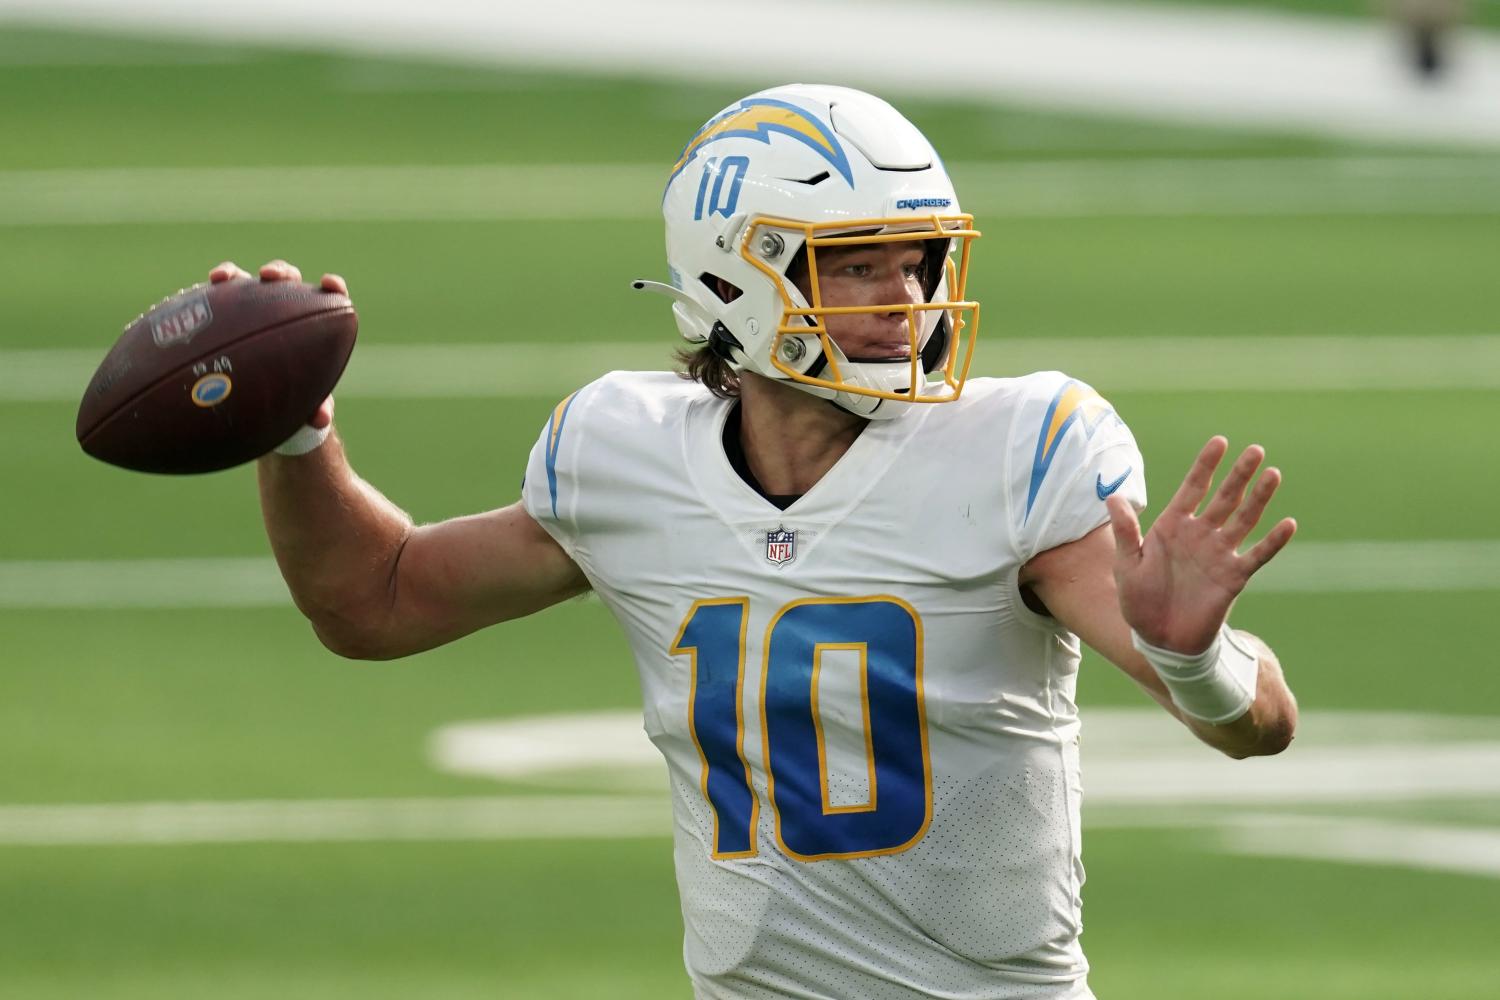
(726, 291)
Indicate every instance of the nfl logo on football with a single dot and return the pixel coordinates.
(781, 546)
(181, 324)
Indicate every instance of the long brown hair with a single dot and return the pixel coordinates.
(702, 365)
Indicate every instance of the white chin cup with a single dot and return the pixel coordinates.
(882, 376)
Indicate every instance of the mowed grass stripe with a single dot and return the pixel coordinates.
(573, 191)
(1306, 567)
(1149, 364)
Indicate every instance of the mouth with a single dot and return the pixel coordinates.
(895, 351)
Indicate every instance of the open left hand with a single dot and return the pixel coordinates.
(1177, 584)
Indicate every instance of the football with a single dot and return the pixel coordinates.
(216, 375)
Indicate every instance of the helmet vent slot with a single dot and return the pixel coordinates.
(812, 181)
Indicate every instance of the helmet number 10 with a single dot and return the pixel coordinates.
(727, 175)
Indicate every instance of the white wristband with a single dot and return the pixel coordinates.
(307, 439)
(1214, 686)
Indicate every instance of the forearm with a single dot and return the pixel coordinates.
(1269, 724)
(337, 541)
(1265, 727)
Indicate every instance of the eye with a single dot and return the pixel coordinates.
(859, 270)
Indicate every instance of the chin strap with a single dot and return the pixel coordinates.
(724, 344)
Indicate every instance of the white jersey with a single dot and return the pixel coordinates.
(872, 742)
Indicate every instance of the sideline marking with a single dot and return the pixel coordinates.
(1075, 188)
(1306, 567)
(1215, 66)
(530, 370)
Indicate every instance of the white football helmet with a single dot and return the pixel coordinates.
(774, 177)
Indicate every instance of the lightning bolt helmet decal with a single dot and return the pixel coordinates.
(759, 117)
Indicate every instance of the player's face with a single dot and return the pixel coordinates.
(865, 275)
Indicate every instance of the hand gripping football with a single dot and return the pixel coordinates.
(216, 375)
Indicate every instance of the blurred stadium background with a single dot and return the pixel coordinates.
(197, 800)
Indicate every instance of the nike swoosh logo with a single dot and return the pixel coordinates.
(1105, 489)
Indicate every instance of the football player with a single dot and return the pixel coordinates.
(854, 580)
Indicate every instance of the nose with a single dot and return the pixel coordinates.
(900, 289)
(897, 285)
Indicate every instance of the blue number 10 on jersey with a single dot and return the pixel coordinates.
(886, 634)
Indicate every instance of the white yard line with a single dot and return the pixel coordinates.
(1431, 847)
(142, 583)
(1117, 364)
(1140, 771)
(1357, 185)
(310, 821)
(1464, 850)
(1134, 759)
(1391, 567)
(1306, 567)
(1221, 67)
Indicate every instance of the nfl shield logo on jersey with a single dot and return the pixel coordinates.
(781, 545)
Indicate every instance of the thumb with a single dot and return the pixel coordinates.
(324, 416)
(1126, 527)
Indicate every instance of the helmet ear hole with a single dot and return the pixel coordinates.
(727, 291)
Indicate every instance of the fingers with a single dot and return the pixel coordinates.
(324, 416)
(1232, 490)
(227, 271)
(279, 270)
(1232, 514)
(1248, 515)
(276, 270)
(1275, 540)
(1198, 479)
(1126, 527)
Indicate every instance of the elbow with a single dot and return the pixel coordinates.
(1277, 732)
(1266, 746)
(1271, 724)
(1267, 740)
(353, 647)
(352, 636)
(1276, 738)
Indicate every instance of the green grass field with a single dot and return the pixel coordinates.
(227, 704)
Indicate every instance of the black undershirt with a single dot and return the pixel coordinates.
(736, 452)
